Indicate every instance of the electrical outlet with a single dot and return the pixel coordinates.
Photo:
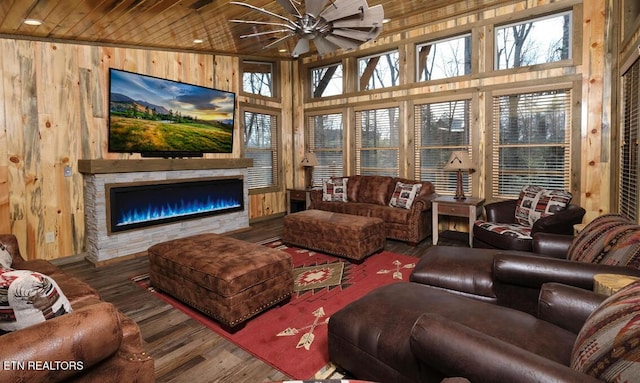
(67, 171)
(49, 237)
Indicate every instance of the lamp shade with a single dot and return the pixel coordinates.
(309, 159)
(459, 160)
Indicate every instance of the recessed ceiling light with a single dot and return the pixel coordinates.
(384, 21)
(282, 50)
(198, 41)
(34, 22)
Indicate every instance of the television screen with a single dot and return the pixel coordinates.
(165, 118)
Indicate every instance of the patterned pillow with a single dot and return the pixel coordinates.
(404, 195)
(535, 202)
(610, 239)
(335, 189)
(28, 297)
(6, 259)
(607, 345)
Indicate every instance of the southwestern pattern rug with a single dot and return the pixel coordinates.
(293, 337)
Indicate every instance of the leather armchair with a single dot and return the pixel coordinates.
(518, 237)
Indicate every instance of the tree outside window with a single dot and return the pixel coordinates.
(257, 78)
(326, 81)
(444, 58)
(380, 71)
(538, 41)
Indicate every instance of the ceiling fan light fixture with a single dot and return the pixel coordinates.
(330, 24)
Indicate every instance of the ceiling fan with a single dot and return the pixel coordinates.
(331, 24)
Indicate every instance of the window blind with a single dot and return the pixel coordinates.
(261, 144)
(628, 182)
(531, 141)
(325, 138)
(377, 142)
(441, 128)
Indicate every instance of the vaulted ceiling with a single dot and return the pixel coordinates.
(175, 24)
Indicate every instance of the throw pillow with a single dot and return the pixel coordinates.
(6, 259)
(335, 189)
(610, 239)
(27, 298)
(535, 202)
(606, 346)
(404, 195)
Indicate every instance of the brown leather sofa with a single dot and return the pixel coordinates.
(369, 196)
(503, 213)
(484, 314)
(92, 343)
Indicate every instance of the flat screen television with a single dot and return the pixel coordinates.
(163, 118)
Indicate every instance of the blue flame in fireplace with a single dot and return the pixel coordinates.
(179, 209)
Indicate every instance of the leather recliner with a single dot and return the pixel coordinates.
(503, 213)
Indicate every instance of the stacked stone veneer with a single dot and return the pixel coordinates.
(102, 246)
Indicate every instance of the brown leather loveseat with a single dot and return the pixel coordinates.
(370, 196)
(92, 343)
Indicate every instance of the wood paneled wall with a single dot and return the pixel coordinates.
(54, 109)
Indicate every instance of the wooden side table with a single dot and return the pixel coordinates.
(298, 200)
(609, 284)
(469, 207)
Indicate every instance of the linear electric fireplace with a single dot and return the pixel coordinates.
(141, 204)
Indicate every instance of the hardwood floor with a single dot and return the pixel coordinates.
(183, 349)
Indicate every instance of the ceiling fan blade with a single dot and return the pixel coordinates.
(344, 8)
(278, 41)
(343, 42)
(263, 23)
(261, 10)
(324, 46)
(288, 6)
(301, 47)
(264, 33)
(372, 16)
(314, 7)
(355, 34)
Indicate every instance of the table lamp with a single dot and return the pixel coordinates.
(458, 162)
(308, 162)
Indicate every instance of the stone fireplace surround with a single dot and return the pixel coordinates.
(103, 247)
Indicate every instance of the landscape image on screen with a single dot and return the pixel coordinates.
(153, 115)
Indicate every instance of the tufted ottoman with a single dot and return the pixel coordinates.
(346, 235)
(226, 278)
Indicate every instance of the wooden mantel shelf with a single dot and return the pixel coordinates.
(160, 164)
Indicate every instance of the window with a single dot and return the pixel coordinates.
(326, 81)
(325, 139)
(531, 141)
(444, 58)
(379, 71)
(628, 198)
(261, 144)
(377, 142)
(441, 128)
(257, 78)
(538, 41)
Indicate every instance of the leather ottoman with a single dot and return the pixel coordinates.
(228, 279)
(345, 235)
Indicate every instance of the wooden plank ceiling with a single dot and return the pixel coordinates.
(175, 24)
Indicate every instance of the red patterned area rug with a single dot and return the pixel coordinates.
(293, 337)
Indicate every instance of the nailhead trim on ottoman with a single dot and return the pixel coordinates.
(345, 235)
(226, 278)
